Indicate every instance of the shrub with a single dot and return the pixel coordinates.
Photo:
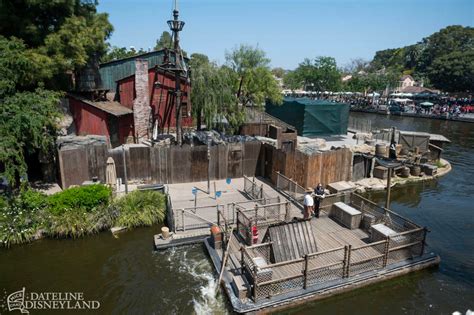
(84, 198)
(140, 208)
(21, 217)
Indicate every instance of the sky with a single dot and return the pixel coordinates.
(287, 30)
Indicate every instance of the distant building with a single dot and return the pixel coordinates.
(346, 78)
(405, 81)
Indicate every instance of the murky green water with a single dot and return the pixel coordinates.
(127, 276)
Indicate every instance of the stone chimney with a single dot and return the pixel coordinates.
(141, 104)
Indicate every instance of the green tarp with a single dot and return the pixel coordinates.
(312, 117)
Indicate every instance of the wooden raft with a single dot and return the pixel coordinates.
(291, 240)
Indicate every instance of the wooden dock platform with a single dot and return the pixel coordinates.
(283, 269)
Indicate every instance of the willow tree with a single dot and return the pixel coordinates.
(253, 80)
(212, 95)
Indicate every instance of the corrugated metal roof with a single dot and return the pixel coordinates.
(111, 72)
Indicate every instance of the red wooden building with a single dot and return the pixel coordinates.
(161, 84)
(124, 112)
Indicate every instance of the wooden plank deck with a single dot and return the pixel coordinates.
(181, 197)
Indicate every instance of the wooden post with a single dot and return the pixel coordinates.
(182, 219)
(344, 264)
(348, 270)
(256, 215)
(255, 283)
(237, 223)
(278, 180)
(425, 230)
(305, 272)
(389, 178)
(386, 248)
(261, 192)
(233, 212)
(287, 211)
(124, 170)
(242, 261)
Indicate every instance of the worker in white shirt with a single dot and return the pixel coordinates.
(308, 204)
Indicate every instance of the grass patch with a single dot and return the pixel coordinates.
(75, 212)
(140, 208)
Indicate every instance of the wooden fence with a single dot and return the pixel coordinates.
(160, 164)
(309, 169)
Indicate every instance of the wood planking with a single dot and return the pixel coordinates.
(310, 169)
(291, 241)
(161, 164)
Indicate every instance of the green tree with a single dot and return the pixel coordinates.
(28, 124)
(321, 74)
(41, 43)
(292, 80)
(278, 72)
(254, 81)
(453, 72)
(116, 53)
(165, 41)
(212, 93)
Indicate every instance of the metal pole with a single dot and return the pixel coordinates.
(208, 166)
(389, 177)
(124, 170)
(195, 201)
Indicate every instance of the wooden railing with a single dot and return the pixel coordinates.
(329, 265)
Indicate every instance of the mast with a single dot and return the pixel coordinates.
(176, 26)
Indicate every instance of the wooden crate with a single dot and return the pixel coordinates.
(346, 215)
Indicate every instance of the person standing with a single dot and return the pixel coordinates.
(308, 204)
(319, 194)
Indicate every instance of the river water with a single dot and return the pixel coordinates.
(126, 276)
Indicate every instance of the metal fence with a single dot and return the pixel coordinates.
(196, 218)
(290, 188)
(260, 216)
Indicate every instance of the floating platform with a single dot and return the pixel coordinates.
(181, 239)
(296, 261)
(277, 260)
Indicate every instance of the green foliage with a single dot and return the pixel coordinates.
(140, 208)
(116, 53)
(21, 217)
(77, 40)
(321, 74)
(253, 80)
(20, 67)
(370, 82)
(278, 72)
(28, 124)
(443, 58)
(79, 199)
(212, 95)
(453, 72)
(165, 41)
(41, 43)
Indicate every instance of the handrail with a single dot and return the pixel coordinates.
(370, 244)
(259, 245)
(264, 206)
(325, 251)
